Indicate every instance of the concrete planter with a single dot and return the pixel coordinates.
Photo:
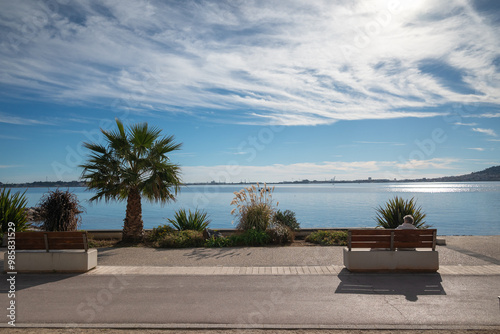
(54, 261)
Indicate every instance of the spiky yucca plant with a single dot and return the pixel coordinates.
(391, 215)
(13, 209)
(197, 220)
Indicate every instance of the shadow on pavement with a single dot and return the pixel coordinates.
(204, 253)
(29, 280)
(409, 285)
(474, 254)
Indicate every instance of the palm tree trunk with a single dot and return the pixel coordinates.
(133, 225)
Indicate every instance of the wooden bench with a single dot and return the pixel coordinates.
(52, 251)
(391, 250)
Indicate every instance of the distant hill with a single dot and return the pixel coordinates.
(489, 174)
(44, 184)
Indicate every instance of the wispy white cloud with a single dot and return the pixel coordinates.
(435, 163)
(379, 142)
(489, 132)
(11, 137)
(480, 149)
(319, 171)
(291, 63)
(485, 115)
(9, 119)
(465, 124)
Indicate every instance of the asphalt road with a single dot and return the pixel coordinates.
(411, 300)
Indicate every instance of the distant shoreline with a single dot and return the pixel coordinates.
(72, 185)
(487, 175)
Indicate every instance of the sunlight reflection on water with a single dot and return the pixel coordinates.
(439, 187)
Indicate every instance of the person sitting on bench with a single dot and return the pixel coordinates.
(407, 225)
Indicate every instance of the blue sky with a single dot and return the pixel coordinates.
(255, 90)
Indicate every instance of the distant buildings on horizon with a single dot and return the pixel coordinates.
(489, 174)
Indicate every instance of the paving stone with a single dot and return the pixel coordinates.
(286, 270)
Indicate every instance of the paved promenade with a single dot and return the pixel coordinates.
(471, 255)
(264, 287)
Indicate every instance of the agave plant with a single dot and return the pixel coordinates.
(13, 209)
(391, 215)
(183, 220)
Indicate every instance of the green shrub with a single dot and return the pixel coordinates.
(13, 209)
(251, 237)
(254, 208)
(218, 242)
(286, 218)
(195, 221)
(281, 234)
(391, 216)
(60, 211)
(159, 232)
(181, 239)
(257, 217)
(328, 238)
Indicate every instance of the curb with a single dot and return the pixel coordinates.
(211, 326)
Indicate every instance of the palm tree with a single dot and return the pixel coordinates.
(130, 165)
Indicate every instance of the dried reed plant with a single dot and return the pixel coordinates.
(254, 207)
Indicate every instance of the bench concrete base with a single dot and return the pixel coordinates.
(55, 260)
(366, 260)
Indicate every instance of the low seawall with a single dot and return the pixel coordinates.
(300, 234)
(117, 234)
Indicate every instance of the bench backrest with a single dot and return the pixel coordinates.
(391, 238)
(51, 240)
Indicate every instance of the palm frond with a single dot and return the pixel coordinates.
(143, 138)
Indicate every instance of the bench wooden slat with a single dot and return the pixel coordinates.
(67, 240)
(51, 240)
(392, 238)
(371, 232)
(413, 244)
(65, 246)
(410, 238)
(30, 244)
(29, 236)
(377, 244)
(357, 238)
(56, 238)
(388, 232)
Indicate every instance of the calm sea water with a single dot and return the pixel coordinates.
(452, 208)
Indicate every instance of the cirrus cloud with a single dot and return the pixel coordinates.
(262, 62)
(489, 132)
